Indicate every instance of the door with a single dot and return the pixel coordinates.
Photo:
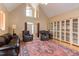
(38, 27)
(30, 27)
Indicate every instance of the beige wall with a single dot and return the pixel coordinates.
(6, 19)
(65, 16)
(42, 20)
(18, 18)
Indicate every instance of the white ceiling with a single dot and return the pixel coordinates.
(11, 6)
(50, 9)
(53, 9)
(34, 5)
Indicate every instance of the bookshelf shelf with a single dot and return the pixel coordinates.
(75, 31)
(63, 25)
(63, 30)
(67, 30)
(67, 25)
(58, 29)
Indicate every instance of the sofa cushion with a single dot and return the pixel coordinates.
(10, 49)
(26, 32)
(7, 37)
(2, 41)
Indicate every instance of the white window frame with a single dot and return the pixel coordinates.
(29, 12)
(2, 22)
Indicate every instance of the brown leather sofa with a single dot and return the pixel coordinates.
(9, 45)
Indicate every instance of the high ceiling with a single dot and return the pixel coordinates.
(50, 9)
(11, 6)
(53, 9)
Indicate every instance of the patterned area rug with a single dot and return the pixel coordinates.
(45, 48)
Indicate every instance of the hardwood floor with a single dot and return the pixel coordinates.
(71, 46)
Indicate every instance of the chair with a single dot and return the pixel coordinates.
(27, 36)
(44, 35)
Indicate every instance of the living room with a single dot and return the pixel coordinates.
(15, 18)
(39, 29)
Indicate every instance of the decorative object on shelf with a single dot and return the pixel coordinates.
(14, 28)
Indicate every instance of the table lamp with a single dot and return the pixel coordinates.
(14, 28)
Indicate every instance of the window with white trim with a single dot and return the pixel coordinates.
(29, 11)
(2, 20)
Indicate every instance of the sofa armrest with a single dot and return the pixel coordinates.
(7, 48)
(17, 40)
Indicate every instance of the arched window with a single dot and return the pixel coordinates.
(2, 20)
(29, 11)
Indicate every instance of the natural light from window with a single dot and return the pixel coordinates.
(29, 12)
(2, 20)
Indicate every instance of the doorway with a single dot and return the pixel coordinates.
(30, 27)
(38, 29)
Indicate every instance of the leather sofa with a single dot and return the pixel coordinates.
(9, 45)
(44, 35)
(27, 36)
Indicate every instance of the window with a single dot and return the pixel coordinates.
(2, 20)
(29, 11)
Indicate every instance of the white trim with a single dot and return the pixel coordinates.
(32, 26)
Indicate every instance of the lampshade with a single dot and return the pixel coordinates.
(13, 26)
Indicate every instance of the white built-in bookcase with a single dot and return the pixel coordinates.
(66, 30)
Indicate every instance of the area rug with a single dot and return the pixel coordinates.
(45, 48)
